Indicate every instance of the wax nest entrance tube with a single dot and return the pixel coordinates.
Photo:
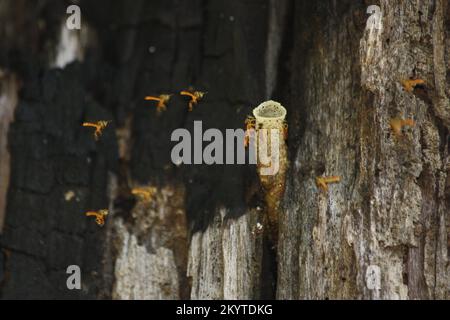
(272, 115)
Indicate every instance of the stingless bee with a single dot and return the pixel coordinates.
(99, 215)
(99, 127)
(322, 182)
(195, 97)
(162, 100)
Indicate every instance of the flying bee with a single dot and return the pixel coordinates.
(409, 85)
(398, 124)
(195, 96)
(162, 100)
(99, 216)
(322, 182)
(99, 127)
(144, 193)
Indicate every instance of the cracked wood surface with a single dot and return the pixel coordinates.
(381, 233)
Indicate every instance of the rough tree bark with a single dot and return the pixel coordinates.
(383, 232)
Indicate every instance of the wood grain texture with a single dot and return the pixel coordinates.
(382, 232)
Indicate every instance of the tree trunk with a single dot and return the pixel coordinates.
(382, 232)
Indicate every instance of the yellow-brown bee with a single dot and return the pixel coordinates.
(409, 85)
(99, 127)
(144, 193)
(322, 182)
(195, 97)
(162, 100)
(398, 124)
(99, 215)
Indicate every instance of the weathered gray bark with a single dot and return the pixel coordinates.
(390, 212)
(383, 232)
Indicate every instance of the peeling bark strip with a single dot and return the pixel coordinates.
(8, 103)
(225, 261)
(349, 86)
(152, 245)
